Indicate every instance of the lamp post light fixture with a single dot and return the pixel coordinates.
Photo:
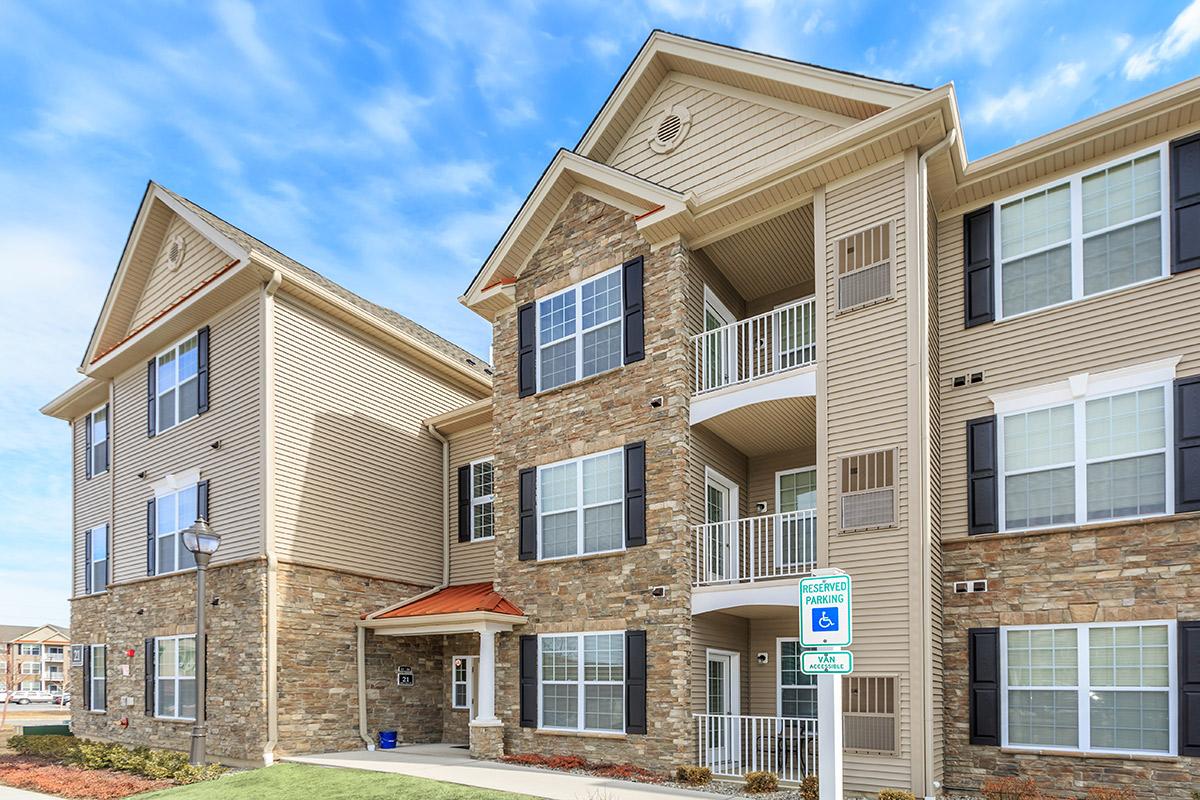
(202, 541)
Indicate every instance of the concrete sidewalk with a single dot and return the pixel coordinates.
(444, 763)
(9, 793)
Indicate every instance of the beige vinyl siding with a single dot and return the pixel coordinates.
(92, 498)
(1127, 327)
(470, 562)
(710, 450)
(353, 459)
(764, 678)
(729, 136)
(233, 419)
(166, 284)
(764, 468)
(935, 499)
(866, 409)
(721, 632)
(141, 264)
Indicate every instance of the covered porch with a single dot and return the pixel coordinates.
(455, 629)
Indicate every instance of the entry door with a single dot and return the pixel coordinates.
(723, 724)
(720, 528)
(720, 349)
(796, 493)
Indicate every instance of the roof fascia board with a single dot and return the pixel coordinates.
(433, 624)
(619, 95)
(776, 103)
(64, 406)
(463, 418)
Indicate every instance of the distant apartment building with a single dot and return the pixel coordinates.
(765, 317)
(33, 659)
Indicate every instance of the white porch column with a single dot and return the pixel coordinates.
(487, 677)
(829, 736)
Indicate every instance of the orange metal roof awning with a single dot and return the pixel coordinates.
(456, 600)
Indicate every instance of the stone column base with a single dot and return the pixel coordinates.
(487, 739)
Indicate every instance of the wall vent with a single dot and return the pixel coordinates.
(670, 128)
(864, 267)
(867, 490)
(175, 252)
(869, 719)
(970, 587)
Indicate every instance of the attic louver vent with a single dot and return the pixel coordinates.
(670, 129)
(864, 267)
(175, 252)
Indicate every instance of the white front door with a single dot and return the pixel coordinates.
(720, 349)
(720, 517)
(465, 684)
(722, 706)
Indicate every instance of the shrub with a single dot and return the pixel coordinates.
(158, 765)
(1124, 793)
(693, 776)
(761, 782)
(810, 788)
(895, 794)
(625, 772)
(527, 759)
(1011, 789)
(57, 748)
(75, 782)
(567, 762)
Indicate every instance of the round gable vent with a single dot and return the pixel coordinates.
(670, 129)
(175, 252)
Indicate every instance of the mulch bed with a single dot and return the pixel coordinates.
(40, 775)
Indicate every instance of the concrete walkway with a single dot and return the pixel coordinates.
(9, 793)
(441, 762)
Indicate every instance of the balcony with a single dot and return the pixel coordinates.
(732, 745)
(756, 348)
(755, 549)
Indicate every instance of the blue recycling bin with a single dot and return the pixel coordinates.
(387, 740)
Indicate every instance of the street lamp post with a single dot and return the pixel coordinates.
(202, 541)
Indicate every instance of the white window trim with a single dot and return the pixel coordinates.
(99, 532)
(160, 492)
(92, 701)
(579, 330)
(580, 705)
(483, 500)
(91, 423)
(779, 685)
(1075, 242)
(1083, 687)
(469, 662)
(159, 391)
(177, 678)
(21, 651)
(1105, 385)
(580, 507)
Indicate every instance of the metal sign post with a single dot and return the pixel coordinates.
(826, 624)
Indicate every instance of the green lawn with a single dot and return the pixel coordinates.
(291, 781)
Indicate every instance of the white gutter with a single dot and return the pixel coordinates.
(268, 500)
(923, 416)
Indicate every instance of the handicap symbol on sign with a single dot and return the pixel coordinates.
(825, 618)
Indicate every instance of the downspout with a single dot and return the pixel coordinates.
(360, 650)
(268, 500)
(922, 299)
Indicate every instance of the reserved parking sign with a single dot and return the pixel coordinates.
(825, 611)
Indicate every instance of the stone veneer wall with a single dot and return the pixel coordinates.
(318, 673)
(1116, 572)
(129, 613)
(608, 592)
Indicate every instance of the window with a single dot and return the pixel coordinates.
(175, 677)
(29, 649)
(1095, 687)
(173, 513)
(1093, 458)
(97, 455)
(590, 666)
(461, 682)
(1091, 233)
(797, 691)
(482, 497)
(177, 384)
(98, 677)
(581, 505)
(31, 668)
(30, 686)
(54, 652)
(98, 565)
(580, 331)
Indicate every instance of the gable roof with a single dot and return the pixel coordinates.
(39, 633)
(455, 600)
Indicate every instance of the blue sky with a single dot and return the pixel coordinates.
(388, 145)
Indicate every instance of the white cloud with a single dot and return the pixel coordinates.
(1174, 43)
(973, 32)
(602, 47)
(392, 114)
(1018, 103)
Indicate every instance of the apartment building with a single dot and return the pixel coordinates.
(33, 659)
(226, 381)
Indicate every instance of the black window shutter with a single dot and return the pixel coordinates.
(202, 500)
(464, 503)
(87, 562)
(635, 494)
(87, 447)
(1185, 204)
(151, 402)
(635, 316)
(526, 350)
(528, 549)
(108, 427)
(983, 685)
(529, 682)
(1187, 444)
(983, 508)
(635, 681)
(1189, 688)
(148, 688)
(87, 677)
(202, 370)
(150, 544)
(979, 288)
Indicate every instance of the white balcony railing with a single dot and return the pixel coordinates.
(757, 548)
(734, 745)
(757, 347)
